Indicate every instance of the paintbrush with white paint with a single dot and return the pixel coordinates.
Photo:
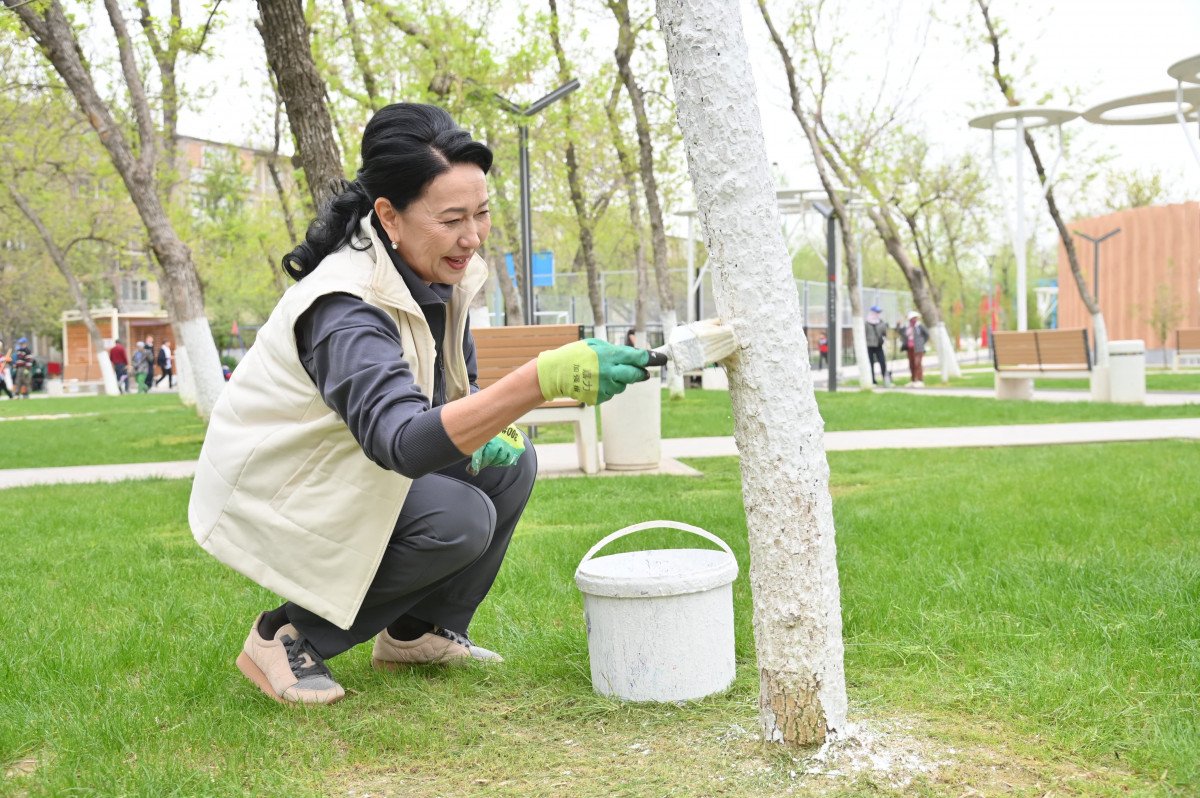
(693, 346)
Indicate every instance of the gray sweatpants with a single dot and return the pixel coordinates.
(445, 552)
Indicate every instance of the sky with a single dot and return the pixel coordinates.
(1089, 51)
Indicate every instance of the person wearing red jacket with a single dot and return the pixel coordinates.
(120, 362)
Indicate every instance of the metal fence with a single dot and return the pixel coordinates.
(566, 302)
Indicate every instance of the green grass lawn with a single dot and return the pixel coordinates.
(708, 413)
(98, 429)
(156, 427)
(1155, 381)
(1037, 628)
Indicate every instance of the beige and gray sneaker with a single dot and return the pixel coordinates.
(287, 668)
(438, 647)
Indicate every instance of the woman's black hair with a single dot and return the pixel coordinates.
(404, 147)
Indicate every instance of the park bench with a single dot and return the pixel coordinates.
(500, 350)
(1019, 357)
(1187, 347)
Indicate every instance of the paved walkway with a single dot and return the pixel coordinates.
(559, 459)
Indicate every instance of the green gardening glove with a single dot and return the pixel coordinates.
(503, 450)
(590, 371)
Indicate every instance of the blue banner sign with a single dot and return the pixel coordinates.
(543, 268)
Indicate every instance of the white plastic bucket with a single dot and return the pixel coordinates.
(659, 622)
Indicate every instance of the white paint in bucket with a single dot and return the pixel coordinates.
(660, 622)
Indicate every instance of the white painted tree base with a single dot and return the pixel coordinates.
(777, 426)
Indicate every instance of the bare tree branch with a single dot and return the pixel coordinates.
(137, 89)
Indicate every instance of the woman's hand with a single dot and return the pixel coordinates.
(503, 450)
(590, 371)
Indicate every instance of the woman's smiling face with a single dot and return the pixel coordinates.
(439, 232)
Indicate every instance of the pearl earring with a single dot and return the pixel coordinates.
(395, 245)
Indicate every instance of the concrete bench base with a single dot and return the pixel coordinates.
(1187, 360)
(1019, 384)
(583, 419)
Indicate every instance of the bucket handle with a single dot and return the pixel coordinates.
(629, 530)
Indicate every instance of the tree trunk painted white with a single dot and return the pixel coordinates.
(204, 362)
(778, 429)
(183, 376)
(860, 351)
(1101, 331)
(107, 373)
(947, 357)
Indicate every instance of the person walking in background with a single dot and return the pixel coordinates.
(141, 365)
(915, 338)
(151, 357)
(6, 384)
(877, 329)
(822, 351)
(120, 362)
(23, 361)
(166, 365)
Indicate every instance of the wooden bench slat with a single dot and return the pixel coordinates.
(1043, 351)
(1015, 350)
(1187, 339)
(501, 350)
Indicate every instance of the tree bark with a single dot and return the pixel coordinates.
(583, 219)
(166, 55)
(1009, 91)
(626, 40)
(360, 55)
(509, 235)
(636, 226)
(286, 38)
(107, 374)
(778, 429)
(184, 296)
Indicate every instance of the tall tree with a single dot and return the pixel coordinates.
(779, 432)
(583, 217)
(836, 195)
(285, 35)
(48, 25)
(59, 256)
(1004, 82)
(360, 56)
(629, 179)
(627, 34)
(864, 159)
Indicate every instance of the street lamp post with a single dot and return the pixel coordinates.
(1096, 242)
(526, 207)
(831, 294)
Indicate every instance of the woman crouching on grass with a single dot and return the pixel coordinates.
(352, 465)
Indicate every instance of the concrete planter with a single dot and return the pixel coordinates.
(714, 378)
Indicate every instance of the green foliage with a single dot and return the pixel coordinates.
(52, 160)
(238, 240)
(1135, 188)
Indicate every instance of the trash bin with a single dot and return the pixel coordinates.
(1127, 372)
(632, 426)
